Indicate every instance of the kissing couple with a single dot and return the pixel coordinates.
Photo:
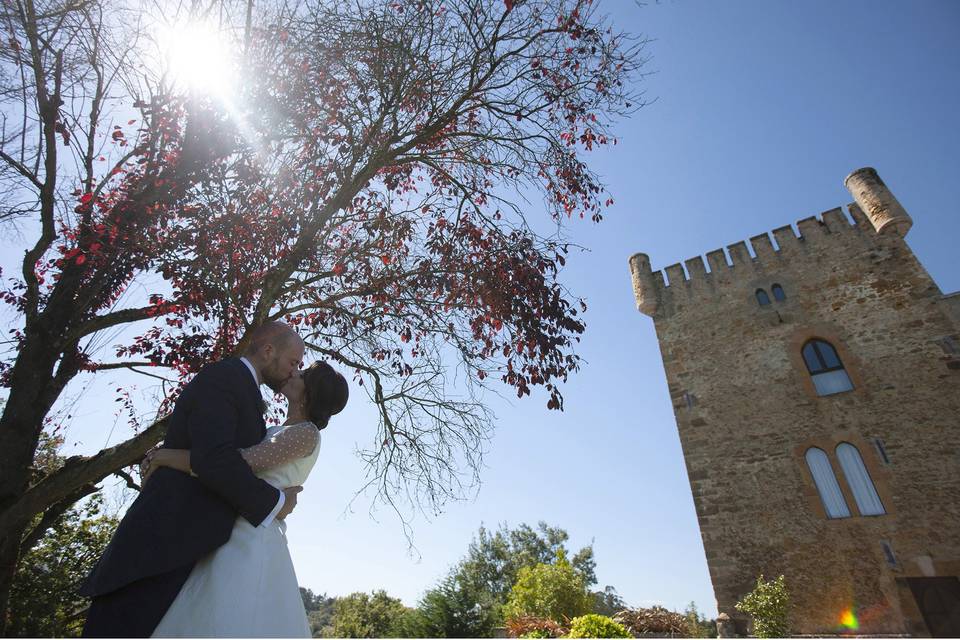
(202, 551)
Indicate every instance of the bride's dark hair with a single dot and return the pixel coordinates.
(326, 392)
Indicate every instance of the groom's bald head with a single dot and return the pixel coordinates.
(277, 334)
(276, 351)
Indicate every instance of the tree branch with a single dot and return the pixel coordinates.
(51, 515)
(79, 471)
(98, 323)
(21, 169)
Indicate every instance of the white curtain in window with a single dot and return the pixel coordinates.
(827, 484)
(836, 381)
(868, 501)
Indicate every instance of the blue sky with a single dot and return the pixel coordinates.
(762, 109)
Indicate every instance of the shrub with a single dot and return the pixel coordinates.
(597, 626)
(556, 591)
(767, 604)
(534, 627)
(655, 619)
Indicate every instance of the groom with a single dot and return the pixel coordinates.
(178, 518)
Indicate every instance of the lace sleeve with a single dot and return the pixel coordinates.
(294, 442)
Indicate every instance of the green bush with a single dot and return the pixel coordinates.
(537, 633)
(597, 626)
(556, 591)
(768, 605)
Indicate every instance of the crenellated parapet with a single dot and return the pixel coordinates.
(654, 290)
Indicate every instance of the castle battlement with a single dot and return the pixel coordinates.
(874, 212)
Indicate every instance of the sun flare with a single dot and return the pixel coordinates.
(197, 57)
(848, 619)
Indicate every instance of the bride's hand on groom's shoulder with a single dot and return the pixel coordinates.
(289, 501)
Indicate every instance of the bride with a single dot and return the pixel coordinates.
(248, 587)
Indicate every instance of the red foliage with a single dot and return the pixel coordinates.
(374, 196)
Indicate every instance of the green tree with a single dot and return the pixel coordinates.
(454, 609)
(43, 596)
(320, 610)
(411, 624)
(698, 626)
(56, 554)
(495, 558)
(556, 591)
(768, 605)
(359, 615)
(607, 602)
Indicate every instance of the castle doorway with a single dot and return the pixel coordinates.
(939, 602)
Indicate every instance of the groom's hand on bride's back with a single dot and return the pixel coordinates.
(289, 501)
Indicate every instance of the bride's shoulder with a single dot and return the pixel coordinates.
(306, 425)
(303, 431)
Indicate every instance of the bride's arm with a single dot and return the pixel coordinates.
(290, 444)
(286, 446)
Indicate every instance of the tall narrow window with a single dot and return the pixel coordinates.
(890, 555)
(825, 368)
(778, 293)
(827, 485)
(881, 450)
(762, 297)
(858, 479)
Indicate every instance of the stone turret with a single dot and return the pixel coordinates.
(644, 288)
(877, 203)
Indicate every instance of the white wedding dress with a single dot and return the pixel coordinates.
(248, 587)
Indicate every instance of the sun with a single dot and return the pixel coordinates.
(197, 57)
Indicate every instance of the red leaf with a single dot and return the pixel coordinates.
(508, 4)
(385, 259)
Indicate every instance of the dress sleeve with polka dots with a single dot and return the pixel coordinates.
(295, 442)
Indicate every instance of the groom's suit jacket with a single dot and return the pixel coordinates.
(178, 518)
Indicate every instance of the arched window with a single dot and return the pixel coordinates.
(827, 485)
(778, 293)
(858, 479)
(825, 368)
(762, 297)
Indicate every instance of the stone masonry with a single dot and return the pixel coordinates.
(747, 412)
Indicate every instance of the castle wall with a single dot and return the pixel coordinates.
(747, 412)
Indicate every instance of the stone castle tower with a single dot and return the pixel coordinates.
(816, 389)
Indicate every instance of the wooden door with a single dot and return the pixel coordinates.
(939, 602)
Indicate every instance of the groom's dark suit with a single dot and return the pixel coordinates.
(177, 518)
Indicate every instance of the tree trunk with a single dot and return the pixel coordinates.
(33, 390)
